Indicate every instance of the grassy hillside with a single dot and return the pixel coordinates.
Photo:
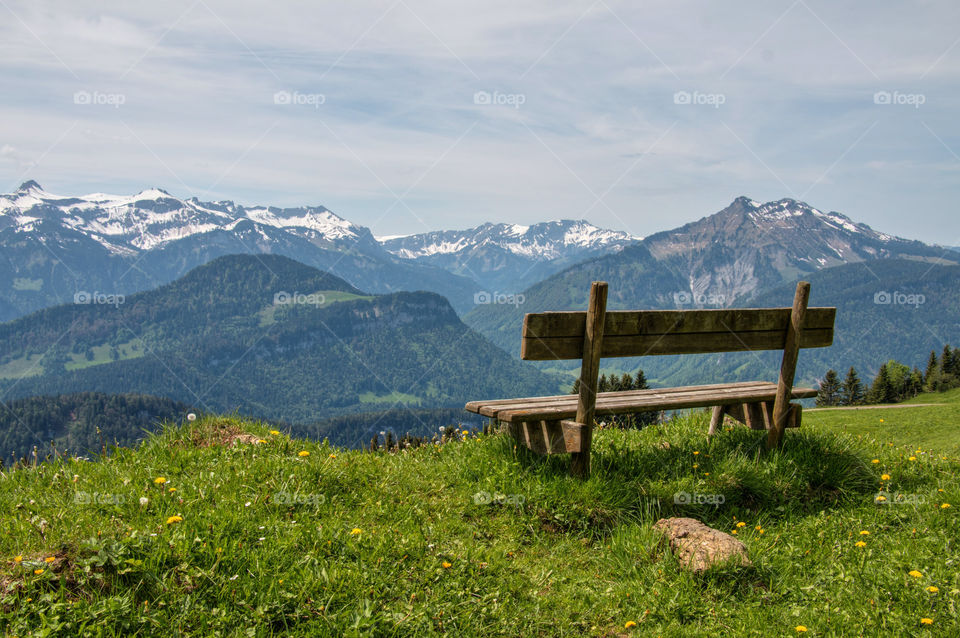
(222, 526)
(924, 426)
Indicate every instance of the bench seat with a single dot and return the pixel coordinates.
(555, 408)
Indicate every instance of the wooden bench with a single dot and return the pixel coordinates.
(564, 424)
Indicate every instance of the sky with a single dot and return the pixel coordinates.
(408, 116)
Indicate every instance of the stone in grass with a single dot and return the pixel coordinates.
(700, 547)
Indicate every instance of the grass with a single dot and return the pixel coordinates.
(934, 426)
(477, 538)
(392, 398)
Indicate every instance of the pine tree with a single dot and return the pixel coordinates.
(881, 391)
(829, 392)
(640, 381)
(852, 391)
(915, 385)
(931, 367)
(603, 384)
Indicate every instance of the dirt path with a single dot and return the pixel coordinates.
(873, 407)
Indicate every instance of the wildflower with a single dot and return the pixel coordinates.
(881, 420)
(915, 573)
(741, 524)
(933, 589)
(734, 532)
(174, 519)
(261, 440)
(864, 532)
(18, 559)
(38, 571)
(860, 544)
(912, 458)
(160, 480)
(881, 498)
(801, 629)
(706, 473)
(446, 565)
(884, 477)
(875, 461)
(274, 432)
(926, 621)
(762, 531)
(944, 506)
(333, 456)
(49, 559)
(696, 452)
(143, 501)
(303, 453)
(629, 624)
(758, 528)
(172, 490)
(191, 417)
(355, 531)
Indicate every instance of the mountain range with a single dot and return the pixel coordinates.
(54, 246)
(267, 336)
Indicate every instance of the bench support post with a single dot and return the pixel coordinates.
(589, 372)
(788, 367)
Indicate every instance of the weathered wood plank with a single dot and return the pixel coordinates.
(788, 366)
(759, 416)
(590, 349)
(629, 405)
(557, 348)
(625, 323)
(476, 406)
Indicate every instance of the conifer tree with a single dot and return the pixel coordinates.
(829, 392)
(852, 391)
(881, 391)
(931, 367)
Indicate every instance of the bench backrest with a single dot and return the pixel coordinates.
(550, 336)
(596, 333)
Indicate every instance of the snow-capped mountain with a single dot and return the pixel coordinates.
(152, 218)
(54, 246)
(509, 257)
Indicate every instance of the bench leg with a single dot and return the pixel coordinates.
(715, 420)
(580, 461)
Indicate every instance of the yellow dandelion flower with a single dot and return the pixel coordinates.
(174, 519)
(933, 589)
(926, 621)
(303, 453)
(944, 506)
(875, 461)
(355, 531)
(629, 624)
(38, 571)
(860, 544)
(758, 528)
(800, 629)
(912, 458)
(172, 490)
(696, 465)
(274, 432)
(446, 565)
(734, 532)
(762, 531)
(49, 559)
(706, 473)
(696, 452)
(881, 498)
(333, 456)
(261, 440)
(864, 532)
(741, 524)
(884, 477)
(18, 559)
(881, 420)
(915, 573)
(160, 480)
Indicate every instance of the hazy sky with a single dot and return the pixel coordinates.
(407, 116)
